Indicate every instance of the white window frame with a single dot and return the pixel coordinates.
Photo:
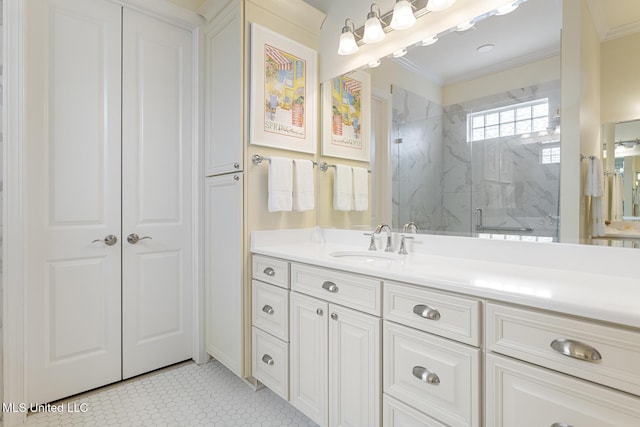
(514, 121)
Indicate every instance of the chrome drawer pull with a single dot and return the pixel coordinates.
(426, 312)
(269, 271)
(268, 360)
(561, 425)
(268, 309)
(330, 286)
(576, 350)
(423, 374)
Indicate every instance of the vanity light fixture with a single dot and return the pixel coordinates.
(465, 26)
(438, 5)
(373, 32)
(429, 41)
(399, 53)
(348, 43)
(507, 8)
(403, 16)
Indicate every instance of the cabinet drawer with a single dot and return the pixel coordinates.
(451, 316)
(271, 309)
(528, 335)
(434, 375)
(359, 293)
(523, 395)
(271, 270)
(270, 362)
(397, 414)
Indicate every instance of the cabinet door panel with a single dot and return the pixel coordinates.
(354, 368)
(308, 346)
(223, 270)
(523, 395)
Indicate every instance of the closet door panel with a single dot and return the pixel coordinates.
(72, 197)
(156, 194)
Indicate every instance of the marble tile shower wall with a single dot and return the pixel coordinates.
(416, 160)
(440, 179)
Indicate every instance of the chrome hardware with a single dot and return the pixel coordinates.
(378, 230)
(236, 178)
(330, 286)
(133, 238)
(403, 248)
(426, 312)
(561, 425)
(268, 309)
(268, 360)
(372, 242)
(408, 226)
(479, 219)
(334, 316)
(236, 165)
(269, 271)
(423, 374)
(576, 350)
(319, 312)
(109, 240)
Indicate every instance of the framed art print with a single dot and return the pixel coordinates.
(346, 117)
(284, 87)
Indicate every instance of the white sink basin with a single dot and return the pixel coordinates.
(365, 256)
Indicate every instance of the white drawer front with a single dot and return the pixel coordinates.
(528, 335)
(359, 293)
(271, 270)
(270, 361)
(451, 316)
(397, 414)
(412, 358)
(523, 395)
(271, 309)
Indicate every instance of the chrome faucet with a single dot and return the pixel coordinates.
(407, 228)
(379, 228)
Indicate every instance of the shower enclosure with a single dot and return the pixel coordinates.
(488, 167)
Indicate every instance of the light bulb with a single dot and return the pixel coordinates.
(438, 5)
(373, 31)
(348, 44)
(403, 16)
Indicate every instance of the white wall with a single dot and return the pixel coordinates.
(620, 79)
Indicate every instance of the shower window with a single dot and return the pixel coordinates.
(516, 119)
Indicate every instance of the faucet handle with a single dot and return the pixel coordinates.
(372, 242)
(403, 248)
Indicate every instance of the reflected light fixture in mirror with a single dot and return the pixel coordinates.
(373, 32)
(429, 41)
(348, 43)
(399, 53)
(507, 8)
(465, 26)
(403, 16)
(374, 64)
(438, 5)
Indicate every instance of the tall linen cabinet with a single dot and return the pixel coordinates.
(235, 188)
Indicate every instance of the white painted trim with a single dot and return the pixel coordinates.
(383, 176)
(14, 294)
(164, 10)
(605, 31)
(211, 8)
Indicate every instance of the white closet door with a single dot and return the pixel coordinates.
(72, 157)
(157, 195)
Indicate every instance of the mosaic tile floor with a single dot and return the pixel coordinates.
(186, 395)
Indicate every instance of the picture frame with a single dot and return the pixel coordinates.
(346, 119)
(284, 86)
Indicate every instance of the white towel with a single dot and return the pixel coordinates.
(303, 195)
(595, 178)
(616, 198)
(343, 188)
(280, 184)
(360, 189)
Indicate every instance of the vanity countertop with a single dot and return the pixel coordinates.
(605, 297)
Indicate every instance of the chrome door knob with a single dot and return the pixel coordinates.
(133, 238)
(109, 240)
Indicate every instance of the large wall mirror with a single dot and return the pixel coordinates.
(473, 135)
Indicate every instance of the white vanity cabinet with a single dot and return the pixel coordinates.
(270, 323)
(335, 349)
(561, 371)
(429, 365)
